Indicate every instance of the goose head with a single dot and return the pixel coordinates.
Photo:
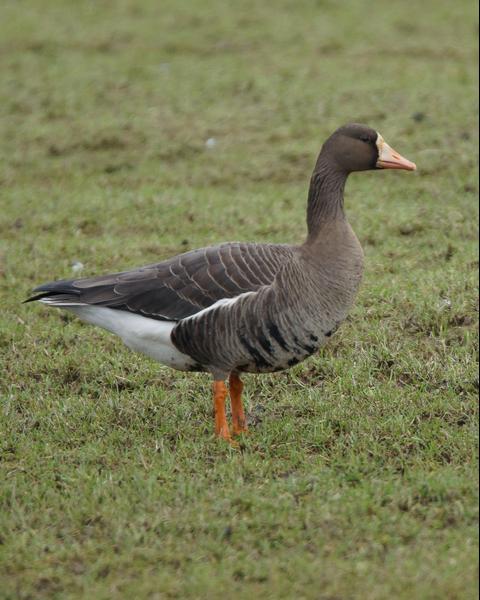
(356, 147)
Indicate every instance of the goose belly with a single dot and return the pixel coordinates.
(278, 348)
(238, 337)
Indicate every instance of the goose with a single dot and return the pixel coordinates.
(239, 307)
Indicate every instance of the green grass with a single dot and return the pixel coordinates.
(359, 477)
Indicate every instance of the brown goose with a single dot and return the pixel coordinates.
(242, 307)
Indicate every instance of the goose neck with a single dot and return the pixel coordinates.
(325, 197)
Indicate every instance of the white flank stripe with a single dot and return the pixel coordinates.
(218, 303)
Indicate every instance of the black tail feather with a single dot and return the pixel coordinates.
(39, 297)
(55, 288)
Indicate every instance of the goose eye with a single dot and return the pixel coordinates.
(365, 139)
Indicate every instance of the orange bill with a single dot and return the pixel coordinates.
(388, 158)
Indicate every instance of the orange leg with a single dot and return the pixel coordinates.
(239, 421)
(219, 395)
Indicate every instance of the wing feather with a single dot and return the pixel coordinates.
(178, 287)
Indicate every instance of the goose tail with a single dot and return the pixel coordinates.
(57, 293)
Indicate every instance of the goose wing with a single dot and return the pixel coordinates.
(178, 287)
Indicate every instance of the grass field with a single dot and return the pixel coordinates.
(358, 480)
